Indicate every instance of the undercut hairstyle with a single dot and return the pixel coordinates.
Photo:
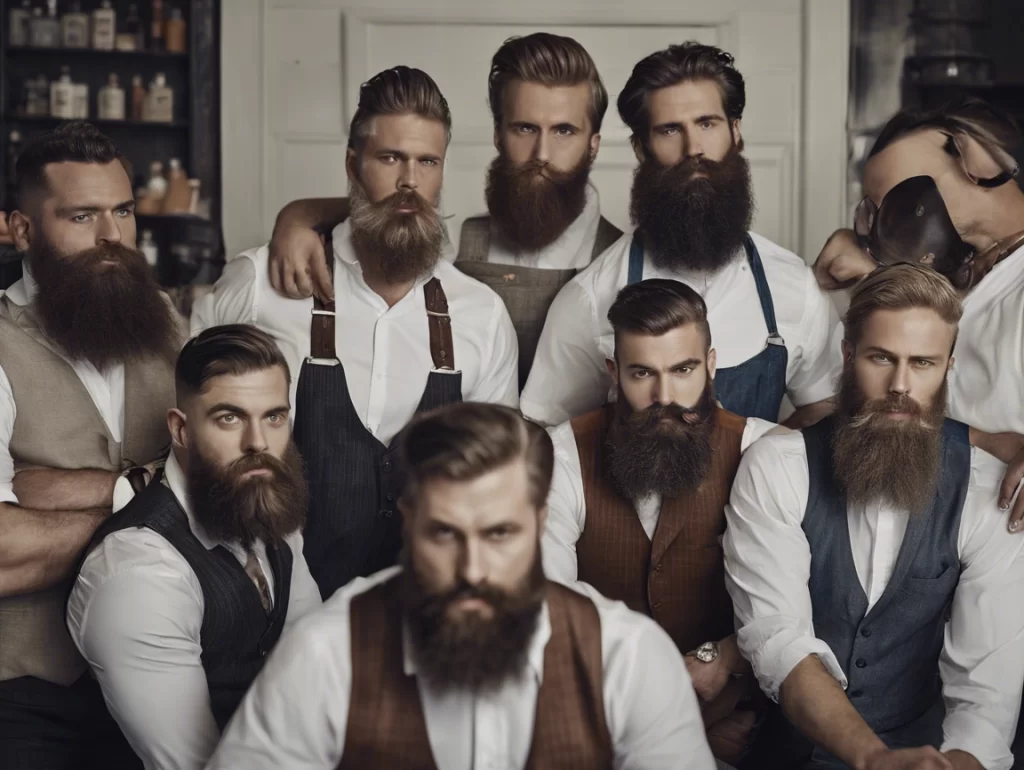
(901, 287)
(995, 130)
(551, 60)
(232, 349)
(656, 306)
(72, 142)
(671, 66)
(398, 91)
(464, 441)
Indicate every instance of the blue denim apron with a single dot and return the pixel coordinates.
(754, 388)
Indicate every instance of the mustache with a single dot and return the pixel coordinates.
(657, 414)
(236, 471)
(894, 402)
(542, 169)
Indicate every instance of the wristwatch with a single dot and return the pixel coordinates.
(707, 652)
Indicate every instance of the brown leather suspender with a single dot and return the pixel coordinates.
(322, 328)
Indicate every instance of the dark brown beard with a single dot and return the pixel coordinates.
(878, 460)
(472, 653)
(403, 246)
(230, 507)
(103, 314)
(688, 222)
(664, 450)
(533, 203)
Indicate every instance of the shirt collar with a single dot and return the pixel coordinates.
(175, 478)
(24, 290)
(576, 238)
(535, 655)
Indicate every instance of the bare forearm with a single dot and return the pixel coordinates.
(735, 662)
(39, 549)
(49, 489)
(313, 213)
(808, 415)
(816, 705)
(961, 760)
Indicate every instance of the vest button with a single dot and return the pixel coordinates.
(389, 497)
(865, 632)
(856, 693)
(657, 567)
(386, 514)
(860, 663)
(386, 464)
(656, 605)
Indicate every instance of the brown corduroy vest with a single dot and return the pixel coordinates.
(678, 577)
(386, 726)
(57, 425)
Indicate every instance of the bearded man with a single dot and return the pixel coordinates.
(185, 590)
(466, 656)
(406, 331)
(868, 555)
(87, 346)
(543, 221)
(637, 507)
(692, 204)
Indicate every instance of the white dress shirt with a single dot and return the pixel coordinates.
(106, 389)
(385, 351)
(572, 250)
(567, 507)
(986, 384)
(135, 613)
(296, 713)
(767, 563)
(569, 376)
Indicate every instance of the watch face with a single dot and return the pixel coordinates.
(707, 652)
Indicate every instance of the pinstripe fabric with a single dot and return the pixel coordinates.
(386, 726)
(526, 291)
(678, 577)
(236, 632)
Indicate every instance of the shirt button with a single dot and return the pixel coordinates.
(865, 632)
(860, 663)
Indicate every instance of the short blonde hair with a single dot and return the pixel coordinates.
(901, 287)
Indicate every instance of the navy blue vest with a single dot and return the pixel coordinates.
(889, 654)
(236, 633)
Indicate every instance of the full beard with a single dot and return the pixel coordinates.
(693, 222)
(231, 507)
(403, 246)
(473, 652)
(663, 450)
(533, 203)
(103, 314)
(880, 460)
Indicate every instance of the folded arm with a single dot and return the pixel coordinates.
(39, 549)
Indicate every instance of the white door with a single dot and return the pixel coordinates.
(291, 71)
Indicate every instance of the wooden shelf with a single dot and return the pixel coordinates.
(46, 119)
(93, 52)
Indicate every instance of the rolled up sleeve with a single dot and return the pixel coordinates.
(768, 561)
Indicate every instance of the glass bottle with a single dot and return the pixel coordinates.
(18, 20)
(62, 96)
(111, 100)
(104, 27)
(74, 27)
(131, 36)
(44, 31)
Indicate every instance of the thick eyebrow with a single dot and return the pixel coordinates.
(233, 409)
(648, 367)
(63, 211)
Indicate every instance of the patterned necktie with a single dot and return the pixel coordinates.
(255, 571)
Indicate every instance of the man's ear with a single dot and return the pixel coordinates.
(638, 148)
(712, 363)
(20, 228)
(176, 425)
(352, 165)
(613, 370)
(542, 520)
(952, 360)
(595, 145)
(737, 135)
(847, 352)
